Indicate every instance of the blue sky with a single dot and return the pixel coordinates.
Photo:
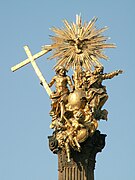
(25, 106)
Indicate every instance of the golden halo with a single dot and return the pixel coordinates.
(79, 45)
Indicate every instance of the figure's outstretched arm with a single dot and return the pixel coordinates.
(112, 74)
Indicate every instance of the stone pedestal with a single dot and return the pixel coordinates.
(82, 163)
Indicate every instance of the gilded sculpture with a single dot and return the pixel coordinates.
(78, 99)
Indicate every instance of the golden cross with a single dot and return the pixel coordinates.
(31, 59)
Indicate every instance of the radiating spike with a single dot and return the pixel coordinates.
(103, 56)
(90, 25)
(78, 20)
(56, 54)
(108, 46)
(74, 28)
(69, 28)
(68, 63)
(95, 60)
(100, 31)
(88, 59)
(89, 34)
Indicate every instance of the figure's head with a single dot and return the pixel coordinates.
(61, 70)
(88, 74)
(78, 115)
(99, 70)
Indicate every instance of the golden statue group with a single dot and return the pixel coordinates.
(78, 99)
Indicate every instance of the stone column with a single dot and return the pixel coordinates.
(82, 163)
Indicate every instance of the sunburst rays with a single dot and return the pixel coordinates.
(79, 45)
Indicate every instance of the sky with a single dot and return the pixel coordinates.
(25, 106)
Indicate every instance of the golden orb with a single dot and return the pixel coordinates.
(74, 99)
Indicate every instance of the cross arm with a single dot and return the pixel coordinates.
(37, 70)
(27, 61)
